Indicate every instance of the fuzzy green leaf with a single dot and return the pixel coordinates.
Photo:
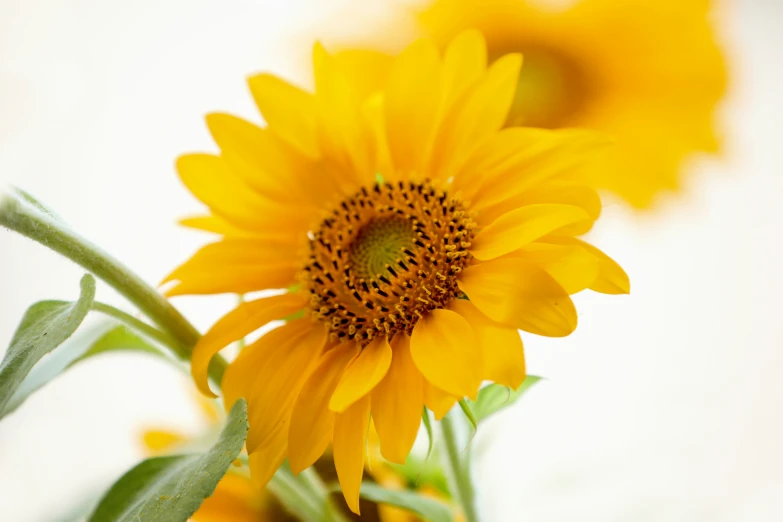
(170, 489)
(493, 398)
(427, 508)
(44, 327)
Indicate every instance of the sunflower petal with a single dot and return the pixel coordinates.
(396, 403)
(411, 104)
(363, 373)
(288, 110)
(265, 461)
(521, 226)
(444, 350)
(573, 267)
(236, 265)
(612, 279)
(245, 319)
(350, 437)
(520, 295)
(504, 358)
(312, 422)
(438, 401)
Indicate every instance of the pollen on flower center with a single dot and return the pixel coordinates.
(384, 257)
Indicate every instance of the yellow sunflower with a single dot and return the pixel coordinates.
(416, 235)
(649, 73)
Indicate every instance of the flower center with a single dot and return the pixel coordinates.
(551, 91)
(384, 257)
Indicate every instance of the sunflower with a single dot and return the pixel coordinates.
(649, 73)
(413, 237)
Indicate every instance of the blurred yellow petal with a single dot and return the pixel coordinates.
(350, 436)
(520, 295)
(521, 226)
(444, 350)
(161, 441)
(501, 346)
(397, 403)
(312, 422)
(411, 105)
(363, 373)
(243, 320)
(287, 109)
(367, 71)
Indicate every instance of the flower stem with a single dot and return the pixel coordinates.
(458, 470)
(32, 221)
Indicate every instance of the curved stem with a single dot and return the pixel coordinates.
(142, 327)
(31, 220)
(459, 470)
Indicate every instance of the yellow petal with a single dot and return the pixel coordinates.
(266, 459)
(160, 441)
(270, 165)
(573, 267)
(236, 265)
(235, 499)
(444, 350)
(344, 136)
(611, 279)
(245, 319)
(312, 422)
(367, 71)
(476, 116)
(504, 358)
(438, 401)
(397, 402)
(556, 192)
(214, 183)
(213, 224)
(278, 380)
(288, 110)
(350, 437)
(519, 159)
(520, 295)
(411, 104)
(464, 61)
(364, 372)
(521, 226)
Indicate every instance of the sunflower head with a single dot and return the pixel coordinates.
(649, 73)
(414, 234)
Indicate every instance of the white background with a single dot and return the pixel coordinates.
(666, 405)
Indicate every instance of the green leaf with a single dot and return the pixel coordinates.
(425, 507)
(493, 398)
(44, 327)
(463, 404)
(170, 489)
(86, 343)
(121, 338)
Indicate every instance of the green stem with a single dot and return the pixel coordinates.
(294, 496)
(31, 221)
(142, 327)
(459, 470)
(313, 481)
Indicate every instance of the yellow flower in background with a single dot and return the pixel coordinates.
(414, 232)
(648, 73)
